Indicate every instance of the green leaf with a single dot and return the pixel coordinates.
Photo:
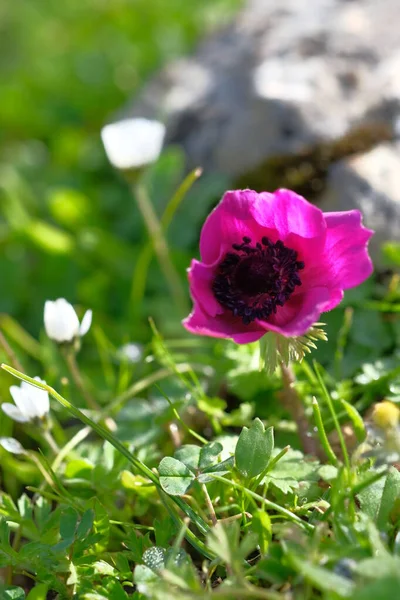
(39, 592)
(261, 525)
(321, 578)
(144, 578)
(356, 420)
(223, 540)
(68, 521)
(208, 454)
(391, 251)
(219, 468)
(137, 544)
(378, 500)
(290, 470)
(11, 593)
(86, 524)
(254, 449)
(101, 525)
(189, 455)
(384, 588)
(164, 530)
(380, 566)
(175, 477)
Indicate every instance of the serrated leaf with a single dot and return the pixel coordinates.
(175, 477)
(164, 530)
(254, 449)
(138, 544)
(101, 525)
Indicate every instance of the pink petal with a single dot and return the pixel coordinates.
(346, 249)
(200, 278)
(233, 219)
(222, 326)
(300, 312)
(293, 214)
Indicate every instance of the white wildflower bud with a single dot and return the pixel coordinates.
(61, 321)
(133, 143)
(30, 402)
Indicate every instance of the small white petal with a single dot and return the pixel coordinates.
(60, 320)
(30, 401)
(13, 412)
(12, 445)
(25, 400)
(133, 143)
(86, 323)
(40, 399)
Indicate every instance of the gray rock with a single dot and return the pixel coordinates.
(286, 75)
(369, 182)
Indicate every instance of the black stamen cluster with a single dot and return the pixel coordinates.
(254, 280)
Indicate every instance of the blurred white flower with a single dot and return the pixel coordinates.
(133, 143)
(30, 402)
(12, 445)
(61, 321)
(130, 352)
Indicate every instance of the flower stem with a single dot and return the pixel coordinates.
(333, 415)
(292, 402)
(77, 377)
(210, 506)
(271, 505)
(322, 434)
(48, 437)
(160, 247)
(145, 255)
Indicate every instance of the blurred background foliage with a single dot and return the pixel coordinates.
(68, 223)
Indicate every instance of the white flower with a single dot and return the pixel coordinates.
(61, 321)
(12, 445)
(133, 143)
(30, 402)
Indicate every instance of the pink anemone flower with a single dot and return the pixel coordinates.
(273, 262)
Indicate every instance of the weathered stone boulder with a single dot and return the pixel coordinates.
(371, 183)
(285, 96)
(285, 76)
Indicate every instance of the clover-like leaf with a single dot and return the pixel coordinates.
(175, 477)
(208, 454)
(254, 448)
(218, 468)
(189, 455)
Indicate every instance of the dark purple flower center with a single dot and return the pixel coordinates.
(254, 280)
